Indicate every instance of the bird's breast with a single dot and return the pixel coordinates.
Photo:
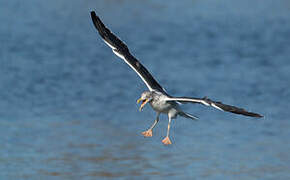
(161, 106)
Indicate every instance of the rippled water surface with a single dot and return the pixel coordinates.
(68, 104)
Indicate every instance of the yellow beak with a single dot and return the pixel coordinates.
(139, 100)
(143, 103)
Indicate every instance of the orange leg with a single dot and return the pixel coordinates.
(166, 140)
(148, 133)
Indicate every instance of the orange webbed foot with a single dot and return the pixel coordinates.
(147, 133)
(166, 141)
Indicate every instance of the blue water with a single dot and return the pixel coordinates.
(68, 104)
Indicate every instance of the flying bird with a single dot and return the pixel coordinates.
(156, 95)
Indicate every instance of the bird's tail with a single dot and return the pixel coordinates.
(186, 115)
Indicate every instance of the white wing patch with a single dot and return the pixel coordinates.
(215, 106)
(195, 101)
(109, 45)
(205, 103)
(106, 33)
(122, 57)
(118, 54)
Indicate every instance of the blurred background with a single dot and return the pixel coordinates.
(68, 104)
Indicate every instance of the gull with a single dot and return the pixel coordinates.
(156, 96)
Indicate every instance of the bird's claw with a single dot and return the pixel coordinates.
(147, 133)
(166, 141)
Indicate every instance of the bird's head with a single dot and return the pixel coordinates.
(145, 98)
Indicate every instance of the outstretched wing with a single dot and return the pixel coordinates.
(121, 50)
(217, 105)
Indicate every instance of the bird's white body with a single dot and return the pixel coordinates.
(159, 103)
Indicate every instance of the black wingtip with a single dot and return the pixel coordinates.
(258, 115)
(98, 24)
(94, 18)
(254, 115)
(235, 110)
(93, 15)
(245, 113)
